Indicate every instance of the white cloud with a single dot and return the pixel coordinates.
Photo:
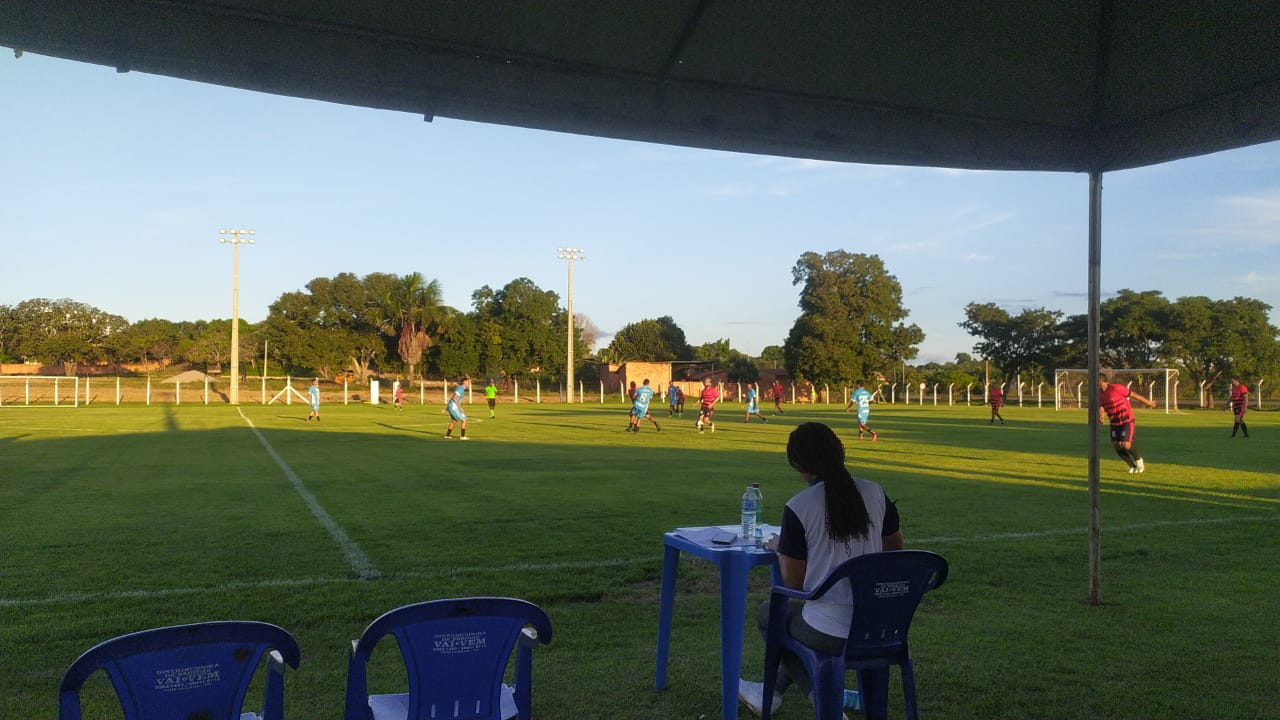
(980, 223)
(1246, 219)
(975, 257)
(908, 247)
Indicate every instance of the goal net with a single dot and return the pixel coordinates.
(47, 390)
(1160, 385)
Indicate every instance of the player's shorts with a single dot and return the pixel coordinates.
(673, 400)
(995, 404)
(752, 408)
(1123, 433)
(493, 402)
(707, 410)
(640, 410)
(455, 412)
(315, 407)
(863, 415)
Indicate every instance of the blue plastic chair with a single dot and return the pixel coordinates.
(887, 588)
(455, 655)
(186, 671)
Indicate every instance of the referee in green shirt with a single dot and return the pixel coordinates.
(491, 394)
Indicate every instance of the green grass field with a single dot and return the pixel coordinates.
(116, 519)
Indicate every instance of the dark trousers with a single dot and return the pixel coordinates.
(874, 683)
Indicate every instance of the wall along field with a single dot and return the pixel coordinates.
(116, 519)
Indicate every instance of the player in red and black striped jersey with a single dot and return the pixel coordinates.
(1113, 405)
(997, 399)
(708, 408)
(1239, 403)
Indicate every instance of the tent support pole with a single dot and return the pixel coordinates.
(1095, 265)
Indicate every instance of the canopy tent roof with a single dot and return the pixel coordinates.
(1036, 85)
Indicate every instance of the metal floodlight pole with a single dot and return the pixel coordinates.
(236, 238)
(570, 254)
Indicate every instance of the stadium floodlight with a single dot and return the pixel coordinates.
(570, 254)
(235, 238)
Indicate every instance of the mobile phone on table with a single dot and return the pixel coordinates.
(723, 538)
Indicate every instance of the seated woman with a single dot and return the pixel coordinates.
(836, 518)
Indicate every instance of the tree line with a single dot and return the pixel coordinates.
(851, 326)
(1206, 340)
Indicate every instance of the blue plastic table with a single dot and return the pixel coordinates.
(734, 562)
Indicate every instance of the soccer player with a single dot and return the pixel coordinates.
(673, 399)
(680, 402)
(1114, 404)
(1239, 403)
(631, 395)
(753, 407)
(640, 408)
(708, 408)
(491, 394)
(455, 409)
(777, 397)
(314, 393)
(863, 399)
(397, 391)
(997, 399)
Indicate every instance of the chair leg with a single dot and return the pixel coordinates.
(875, 693)
(772, 658)
(909, 689)
(828, 691)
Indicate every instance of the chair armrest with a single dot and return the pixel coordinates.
(357, 686)
(528, 637)
(273, 699)
(790, 592)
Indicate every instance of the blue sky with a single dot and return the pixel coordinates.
(115, 187)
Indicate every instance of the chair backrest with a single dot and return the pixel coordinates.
(199, 671)
(887, 587)
(455, 651)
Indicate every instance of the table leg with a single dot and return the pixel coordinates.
(666, 604)
(733, 613)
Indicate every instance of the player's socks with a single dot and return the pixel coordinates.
(1245, 428)
(1124, 455)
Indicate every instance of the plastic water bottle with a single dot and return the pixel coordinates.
(852, 700)
(755, 488)
(749, 506)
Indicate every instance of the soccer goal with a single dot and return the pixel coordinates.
(1160, 385)
(50, 390)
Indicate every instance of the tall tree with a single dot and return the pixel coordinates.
(410, 308)
(521, 330)
(650, 341)
(717, 351)
(1133, 326)
(61, 331)
(1211, 339)
(850, 323)
(773, 356)
(1020, 344)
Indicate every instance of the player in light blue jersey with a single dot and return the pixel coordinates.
(455, 408)
(314, 393)
(753, 404)
(863, 399)
(640, 408)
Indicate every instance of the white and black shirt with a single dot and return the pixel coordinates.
(804, 537)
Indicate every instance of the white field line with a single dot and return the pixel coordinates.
(576, 565)
(359, 561)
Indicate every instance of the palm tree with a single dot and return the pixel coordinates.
(408, 310)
